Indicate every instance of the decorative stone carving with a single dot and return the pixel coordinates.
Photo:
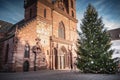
(39, 58)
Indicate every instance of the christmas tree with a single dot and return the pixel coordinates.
(94, 53)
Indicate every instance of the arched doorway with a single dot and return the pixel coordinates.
(56, 58)
(62, 57)
(26, 66)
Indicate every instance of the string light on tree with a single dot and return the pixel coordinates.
(94, 45)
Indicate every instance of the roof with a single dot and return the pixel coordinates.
(115, 34)
(18, 24)
(6, 38)
(5, 26)
(11, 30)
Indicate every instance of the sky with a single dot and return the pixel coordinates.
(13, 11)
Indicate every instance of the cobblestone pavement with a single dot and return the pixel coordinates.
(56, 75)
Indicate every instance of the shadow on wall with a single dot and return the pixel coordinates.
(27, 58)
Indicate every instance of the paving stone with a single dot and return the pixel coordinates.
(56, 75)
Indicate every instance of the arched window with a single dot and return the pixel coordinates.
(44, 13)
(6, 55)
(61, 30)
(27, 51)
(71, 3)
(72, 14)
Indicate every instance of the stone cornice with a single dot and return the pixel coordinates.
(54, 39)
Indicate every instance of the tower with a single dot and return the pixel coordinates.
(34, 8)
(30, 9)
(72, 8)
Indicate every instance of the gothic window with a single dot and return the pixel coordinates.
(6, 55)
(71, 3)
(72, 14)
(27, 51)
(61, 30)
(44, 13)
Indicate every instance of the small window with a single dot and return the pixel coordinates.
(6, 55)
(72, 14)
(44, 13)
(71, 3)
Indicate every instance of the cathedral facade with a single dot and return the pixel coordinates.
(44, 39)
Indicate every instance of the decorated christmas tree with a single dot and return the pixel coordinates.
(94, 47)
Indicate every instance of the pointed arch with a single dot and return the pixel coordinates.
(6, 55)
(45, 13)
(72, 14)
(26, 66)
(71, 3)
(27, 51)
(61, 30)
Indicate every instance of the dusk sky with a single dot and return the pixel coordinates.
(12, 11)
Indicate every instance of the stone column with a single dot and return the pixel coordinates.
(53, 61)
